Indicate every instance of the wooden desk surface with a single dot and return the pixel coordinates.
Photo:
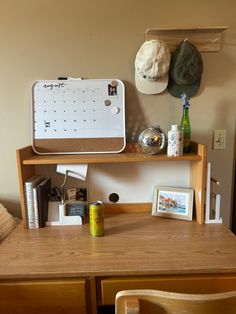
(134, 244)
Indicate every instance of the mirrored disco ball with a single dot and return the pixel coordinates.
(152, 140)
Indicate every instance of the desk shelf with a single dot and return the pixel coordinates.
(27, 159)
(131, 154)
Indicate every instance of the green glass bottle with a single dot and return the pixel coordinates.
(185, 125)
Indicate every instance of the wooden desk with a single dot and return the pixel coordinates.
(51, 269)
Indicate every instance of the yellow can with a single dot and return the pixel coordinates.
(96, 218)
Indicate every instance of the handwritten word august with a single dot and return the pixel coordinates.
(51, 86)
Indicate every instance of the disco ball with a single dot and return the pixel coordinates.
(152, 140)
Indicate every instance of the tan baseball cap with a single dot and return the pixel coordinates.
(151, 67)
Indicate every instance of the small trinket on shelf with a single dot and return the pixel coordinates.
(152, 140)
(175, 141)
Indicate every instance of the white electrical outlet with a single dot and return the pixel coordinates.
(219, 139)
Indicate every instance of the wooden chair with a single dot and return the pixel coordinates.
(162, 302)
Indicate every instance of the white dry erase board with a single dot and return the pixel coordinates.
(78, 116)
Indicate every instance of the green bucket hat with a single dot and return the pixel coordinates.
(185, 72)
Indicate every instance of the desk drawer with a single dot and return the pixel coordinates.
(43, 296)
(185, 284)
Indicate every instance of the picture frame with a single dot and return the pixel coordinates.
(173, 202)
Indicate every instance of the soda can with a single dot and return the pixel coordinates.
(96, 218)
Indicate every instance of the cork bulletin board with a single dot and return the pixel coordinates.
(78, 116)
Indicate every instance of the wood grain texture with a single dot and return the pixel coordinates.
(206, 39)
(131, 153)
(134, 245)
(127, 208)
(174, 283)
(48, 297)
(198, 181)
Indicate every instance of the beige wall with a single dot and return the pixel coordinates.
(45, 39)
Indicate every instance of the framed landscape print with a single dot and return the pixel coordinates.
(173, 202)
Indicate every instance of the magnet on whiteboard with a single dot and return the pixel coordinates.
(107, 102)
(115, 110)
(114, 83)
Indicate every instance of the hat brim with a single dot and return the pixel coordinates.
(151, 87)
(178, 90)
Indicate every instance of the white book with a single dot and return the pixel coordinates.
(29, 185)
(35, 206)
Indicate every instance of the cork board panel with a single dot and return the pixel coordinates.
(85, 145)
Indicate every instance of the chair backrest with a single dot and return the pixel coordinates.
(162, 302)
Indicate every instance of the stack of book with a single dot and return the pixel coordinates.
(37, 190)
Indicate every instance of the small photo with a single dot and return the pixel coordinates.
(173, 202)
(77, 194)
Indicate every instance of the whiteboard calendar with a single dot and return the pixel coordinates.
(78, 116)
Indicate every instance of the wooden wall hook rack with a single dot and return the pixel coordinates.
(206, 39)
